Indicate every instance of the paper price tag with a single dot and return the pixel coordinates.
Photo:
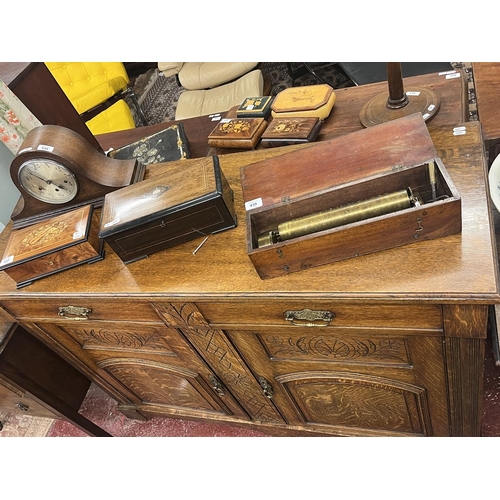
(250, 205)
(460, 130)
(44, 147)
(7, 260)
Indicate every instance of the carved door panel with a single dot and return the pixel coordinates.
(151, 364)
(214, 346)
(345, 384)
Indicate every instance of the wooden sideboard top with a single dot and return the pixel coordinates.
(458, 268)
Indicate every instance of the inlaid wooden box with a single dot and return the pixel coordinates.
(178, 202)
(52, 246)
(375, 189)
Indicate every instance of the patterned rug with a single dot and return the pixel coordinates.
(158, 95)
(14, 425)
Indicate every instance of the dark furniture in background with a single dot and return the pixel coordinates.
(362, 73)
(487, 86)
(37, 89)
(36, 381)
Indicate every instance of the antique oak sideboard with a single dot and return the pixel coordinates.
(198, 335)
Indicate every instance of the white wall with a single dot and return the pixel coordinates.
(9, 194)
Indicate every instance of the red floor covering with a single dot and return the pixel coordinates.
(101, 409)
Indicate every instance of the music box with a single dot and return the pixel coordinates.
(53, 245)
(177, 202)
(371, 190)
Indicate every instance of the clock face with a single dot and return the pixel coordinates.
(48, 181)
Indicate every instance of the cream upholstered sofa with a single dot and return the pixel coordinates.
(213, 87)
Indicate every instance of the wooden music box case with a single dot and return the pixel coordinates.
(177, 202)
(52, 246)
(371, 190)
(238, 133)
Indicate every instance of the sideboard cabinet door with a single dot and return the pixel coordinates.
(148, 367)
(349, 384)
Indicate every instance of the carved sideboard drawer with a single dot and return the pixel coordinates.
(76, 309)
(323, 314)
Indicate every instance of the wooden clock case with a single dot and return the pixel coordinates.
(96, 173)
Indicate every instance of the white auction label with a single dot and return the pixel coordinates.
(7, 260)
(250, 205)
(44, 147)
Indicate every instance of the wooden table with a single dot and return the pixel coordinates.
(451, 90)
(203, 337)
(487, 87)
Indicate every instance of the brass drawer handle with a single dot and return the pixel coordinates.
(74, 313)
(309, 318)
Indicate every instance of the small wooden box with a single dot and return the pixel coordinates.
(238, 133)
(178, 202)
(306, 101)
(289, 131)
(170, 144)
(255, 107)
(342, 172)
(49, 247)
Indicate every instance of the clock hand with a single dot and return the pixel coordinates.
(48, 181)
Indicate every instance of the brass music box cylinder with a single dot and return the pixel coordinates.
(335, 217)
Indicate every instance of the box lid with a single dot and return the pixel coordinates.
(237, 129)
(322, 165)
(170, 186)
(304, 98)
(45, 237)
(170, 144)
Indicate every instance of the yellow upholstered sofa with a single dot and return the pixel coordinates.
(96, 90)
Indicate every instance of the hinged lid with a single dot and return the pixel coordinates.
(45, 237)
(302, 98)
(368, 152)
(170, 187)
(237, 129)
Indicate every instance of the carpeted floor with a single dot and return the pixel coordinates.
(18, 425)
(158, 95)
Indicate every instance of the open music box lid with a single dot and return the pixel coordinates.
(372, 190)
(358, 155)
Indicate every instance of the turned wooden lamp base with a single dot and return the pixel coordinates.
(396, 103)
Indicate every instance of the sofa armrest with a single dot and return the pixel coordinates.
(170, 68)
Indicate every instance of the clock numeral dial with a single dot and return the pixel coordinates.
(48, 181)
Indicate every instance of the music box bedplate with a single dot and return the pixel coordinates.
(372, 190)
(52, 246)
(178, 202)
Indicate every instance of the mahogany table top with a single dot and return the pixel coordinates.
(450, 88)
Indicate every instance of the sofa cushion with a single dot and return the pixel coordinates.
(116, 117)
(206, 75)
(193, 103)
